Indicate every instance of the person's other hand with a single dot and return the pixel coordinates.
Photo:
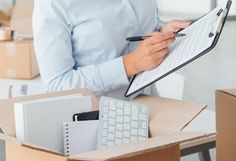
(149, 54)
(174, 26)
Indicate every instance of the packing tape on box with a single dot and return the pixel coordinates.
(6, 34)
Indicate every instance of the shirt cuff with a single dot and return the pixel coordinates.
(113, 74)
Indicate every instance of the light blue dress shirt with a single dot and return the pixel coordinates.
(80, 43)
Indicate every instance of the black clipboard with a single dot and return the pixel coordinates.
(217, 34)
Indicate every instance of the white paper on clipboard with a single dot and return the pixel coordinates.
(186, 48)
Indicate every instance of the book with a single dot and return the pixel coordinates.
(80, 137)
(40, 121)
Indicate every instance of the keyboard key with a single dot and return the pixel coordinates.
(112, 114)
(127, 126)
(134, 112)
(144, 110)
(104, 141)
(105, 101)
(126, 134)
(119, 104)
(105, 125)
(144, 125)
(127, 109)
(112, 121)
(127, 119)
(105, 117)
(134, 132)
(111, 136)
(142, 132)
(119, 134)
(118, 141)
(104, 133)
(134, 124)
(119, 127)
(120, 112)
(119, 119)
(142, 117)
(111, 129)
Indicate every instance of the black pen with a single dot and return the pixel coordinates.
(141, 38)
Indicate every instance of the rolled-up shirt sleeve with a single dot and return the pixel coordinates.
(54, 51)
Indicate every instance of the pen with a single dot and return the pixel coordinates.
(141, 38)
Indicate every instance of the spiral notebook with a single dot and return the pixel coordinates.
(80, 137)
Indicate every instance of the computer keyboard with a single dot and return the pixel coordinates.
(121, 122)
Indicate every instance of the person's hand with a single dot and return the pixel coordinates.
(174, 26)
(149, 54)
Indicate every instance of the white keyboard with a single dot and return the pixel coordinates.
(121, 122)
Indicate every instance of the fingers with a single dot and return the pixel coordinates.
(161, 54)
(162, 45)
(179, 24)
(158, 37)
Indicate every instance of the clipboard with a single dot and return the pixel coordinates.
(220, 14)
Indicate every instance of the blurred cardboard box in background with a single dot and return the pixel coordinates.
(17, 58)
(4, 18)
(225, 125)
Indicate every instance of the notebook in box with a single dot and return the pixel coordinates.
(40, 121)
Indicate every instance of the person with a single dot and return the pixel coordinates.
(82, 44)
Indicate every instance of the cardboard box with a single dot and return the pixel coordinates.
(4, 19)
(17, 60)
(21, 19)
(167, 118)
(225, 125)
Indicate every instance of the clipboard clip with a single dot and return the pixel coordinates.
(221, 14)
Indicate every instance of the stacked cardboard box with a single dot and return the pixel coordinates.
(225, 125)
(167, 118)
(17, 58)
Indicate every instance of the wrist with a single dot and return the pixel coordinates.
(130, 65)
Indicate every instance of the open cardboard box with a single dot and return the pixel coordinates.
(167, 118)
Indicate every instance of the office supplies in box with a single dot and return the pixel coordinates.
(17, 60)
(80, 137)
(164, 143)
(46, 116)
(121, 122)
(225, 124)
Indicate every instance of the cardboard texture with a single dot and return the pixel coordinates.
(164, 145)
(168, 115)
(18, 60)
(225, 125)
(21, 20)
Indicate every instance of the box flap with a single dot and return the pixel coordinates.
(7, 107)
(152, 144)
(21, 20)
(231, 92)
(169, 114)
